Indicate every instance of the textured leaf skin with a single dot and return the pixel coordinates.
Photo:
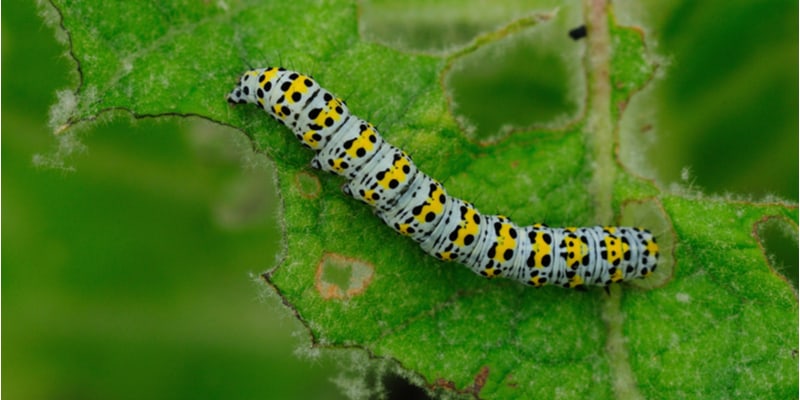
(722, 323)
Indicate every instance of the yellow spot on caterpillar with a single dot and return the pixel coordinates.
(504, 242)
(297, 86)
(576, 249)
(329, 112)
(368, 196)
(432, 205)
(615, 249)
(575, 281)
(491, 272)
(446, 256)
(268, 76)
(467, 227)
(363, 141)
(403, 229)
(652, 247)
(395, 172)
(537, 281)
(540, 249)
(337, 165)
(310, 138)
(617, 275)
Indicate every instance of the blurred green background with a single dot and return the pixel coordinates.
(130, 277)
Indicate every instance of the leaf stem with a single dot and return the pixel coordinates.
(599, 129)
(600, 141)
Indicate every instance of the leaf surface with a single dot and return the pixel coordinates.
(717, 321)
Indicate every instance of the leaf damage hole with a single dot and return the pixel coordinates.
(307, 185)
(477, 384)
(534, 81)
(398, 387)
(778, 240)
(341, 277)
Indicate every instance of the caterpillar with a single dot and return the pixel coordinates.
(416, 205)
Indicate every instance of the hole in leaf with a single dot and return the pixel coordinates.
(525, 80)
(780, 243)
(437, 26)
(340, 277)
(398, 387)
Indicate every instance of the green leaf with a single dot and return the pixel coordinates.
(538, 143)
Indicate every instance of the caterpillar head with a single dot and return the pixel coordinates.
(244, 91)
(643, 260)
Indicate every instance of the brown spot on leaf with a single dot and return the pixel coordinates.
(621, 106)
(477, 384)
(480, 379)
(340, 277)
(307, 185)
